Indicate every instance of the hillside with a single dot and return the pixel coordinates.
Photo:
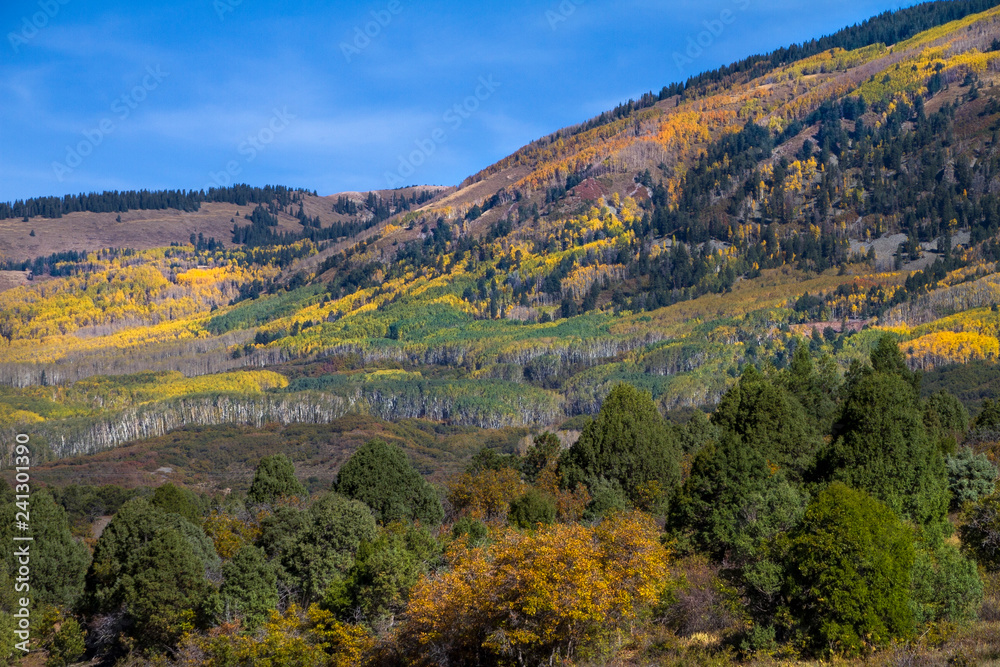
(668, 243)
(712, 378)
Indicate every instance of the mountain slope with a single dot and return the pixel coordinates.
(771, 204)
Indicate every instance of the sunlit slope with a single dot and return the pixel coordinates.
(666, 246)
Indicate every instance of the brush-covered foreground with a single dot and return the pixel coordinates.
(812, 516)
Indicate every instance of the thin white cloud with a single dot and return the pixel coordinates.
(224, 128)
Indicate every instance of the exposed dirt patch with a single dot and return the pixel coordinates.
(589, 189)
(12, 279)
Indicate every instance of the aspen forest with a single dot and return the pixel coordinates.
(712, 378)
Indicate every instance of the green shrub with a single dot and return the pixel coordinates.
(946, 586)
(848, 567)
(531, 509)
(67, 645)
(980, 532)
(970, 476)
(606, 497)
(475, 531)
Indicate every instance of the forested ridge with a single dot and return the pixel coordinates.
(667, 248)
(121, 202)
(710, 379)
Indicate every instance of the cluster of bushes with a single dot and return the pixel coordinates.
(807, 516)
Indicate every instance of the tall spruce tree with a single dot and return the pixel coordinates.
(815, 388)
(880, 442)
(628, 443)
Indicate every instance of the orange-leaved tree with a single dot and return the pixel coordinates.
(535, 596)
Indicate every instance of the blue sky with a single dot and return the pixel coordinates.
(338, 96)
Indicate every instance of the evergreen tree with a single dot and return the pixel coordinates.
(881, 445)
(116, 586)
(988, 418)
(379, 475)
(970, 476)
(279, 529)
(732, 500)
(886, 358)
(946, 586)
(544, 452)
(768, 420)
(378, 584)
(946, 420)
(848, 568)
(815, 389)
(249, 587)
(980, 531)
(696, 433)
(335, 527)
(58, 561)
(628, 443)
(165, 591)
(275, 479)
(742, 489)
(173, 499)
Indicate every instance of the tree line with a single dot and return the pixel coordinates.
(114, 201)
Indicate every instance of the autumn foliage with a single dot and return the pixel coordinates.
(527, 597)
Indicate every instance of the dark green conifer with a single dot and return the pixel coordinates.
(379, 475)
(880, 442)
(335, 526)
(848, 568)
(249, 587)
(628, 443)
(275, 479)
